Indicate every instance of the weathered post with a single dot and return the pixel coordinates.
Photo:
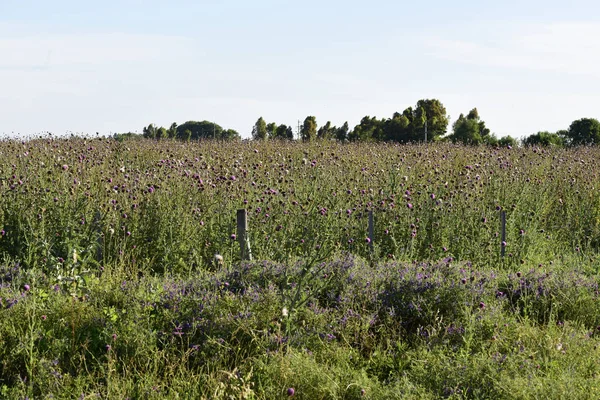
(242, 235)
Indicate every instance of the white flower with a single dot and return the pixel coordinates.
(218, 259)
(284, 312)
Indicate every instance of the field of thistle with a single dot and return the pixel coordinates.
(121, 277)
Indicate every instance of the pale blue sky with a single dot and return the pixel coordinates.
(113, 66)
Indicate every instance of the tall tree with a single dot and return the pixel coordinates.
(162, 133)
(271, 130)
(259, 130)
(200, 130)
(173, 130)
(470, 129)
(308, 132)
(437, 120)
(584, 131)
(341, 133)
(327, 131)
(370, 129)
(284, 132)
(150, 131)
(397, 128)
(544, 138)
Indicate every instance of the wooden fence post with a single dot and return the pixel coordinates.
(503, 232)
(242, 235)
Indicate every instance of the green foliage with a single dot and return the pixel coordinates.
(508, 141)
(109, 285)
(190, 130)
(406, 127)
(369, 130)
(308, 132)
(120, 137)
(284, 132)
(470, 129)
(259, 130)
(271, 130)
(584, 131)
(545, 138)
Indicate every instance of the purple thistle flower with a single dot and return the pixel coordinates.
(291, 391)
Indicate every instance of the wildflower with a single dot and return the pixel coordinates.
(368, 240)
(410, 206)
(233, 236)
(218, 260)
(291, 391)
(27, 288)
(481, 305)
(44, 317)
(284, 312)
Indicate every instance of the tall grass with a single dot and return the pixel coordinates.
(109, 284)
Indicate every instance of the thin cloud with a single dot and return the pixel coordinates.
(561, 47)
(36, 51)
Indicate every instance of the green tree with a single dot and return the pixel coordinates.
(327, 131)
(544, 138)
(200, 130)
(271, 130)
(308, 132)
(162, 133)
(398, 128)
(150, 131)
(584, 131)
(173, 130)
(284, 132)
(259, 130)
(471, 129)
(437, 119)
(507, 141)
(369, 129)
(341, 133)
(229, 134)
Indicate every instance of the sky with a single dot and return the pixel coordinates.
(116, 66)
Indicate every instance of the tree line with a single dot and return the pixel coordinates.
(426, 121)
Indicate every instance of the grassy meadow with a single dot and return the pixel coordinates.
(121, 277)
